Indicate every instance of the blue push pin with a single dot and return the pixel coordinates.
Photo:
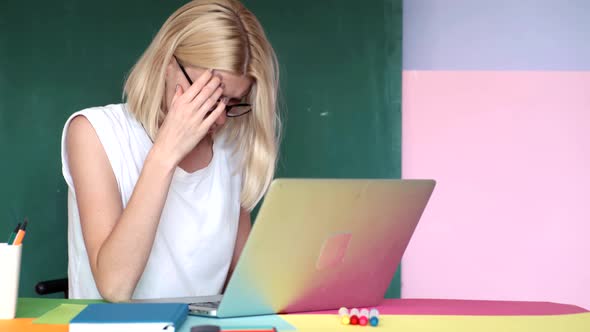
(374, 321)
(374, 317)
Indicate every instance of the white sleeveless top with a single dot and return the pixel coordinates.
(195, 239)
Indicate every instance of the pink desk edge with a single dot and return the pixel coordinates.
(469, 307)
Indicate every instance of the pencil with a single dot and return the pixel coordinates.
(21, 234)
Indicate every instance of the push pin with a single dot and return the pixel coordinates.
(374, 317)
(354, 316)
(364, 317)
(374, 313)
(363, 320)
(343, 313)
(374, 321)
(365, 312)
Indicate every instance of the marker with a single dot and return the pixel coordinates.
(13, 234)
(354, 320)
(21, 234)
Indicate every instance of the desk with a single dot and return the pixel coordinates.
(470, 308)
(397, 315)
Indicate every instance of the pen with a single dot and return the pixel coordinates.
(13, 234)
(215, 328)
(250, 329)
(21, 233)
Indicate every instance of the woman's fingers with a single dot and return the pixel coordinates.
(209, 103)
(206, 92)
(177, 93)
(195, 89)
(208, 121)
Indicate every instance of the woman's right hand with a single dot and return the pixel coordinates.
(187, 122)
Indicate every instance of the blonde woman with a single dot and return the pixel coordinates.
(160, 187)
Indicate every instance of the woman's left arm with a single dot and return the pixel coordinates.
(244, 227)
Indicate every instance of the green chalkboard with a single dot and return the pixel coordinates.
(341, 85)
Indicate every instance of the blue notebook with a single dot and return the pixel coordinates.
(117, 317)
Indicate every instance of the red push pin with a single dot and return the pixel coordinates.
(364, 317)
(363, 321)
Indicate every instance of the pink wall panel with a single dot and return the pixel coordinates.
(510, 217)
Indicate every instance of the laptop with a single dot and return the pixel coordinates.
(320, 244)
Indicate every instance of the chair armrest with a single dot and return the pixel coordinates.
(52, 286)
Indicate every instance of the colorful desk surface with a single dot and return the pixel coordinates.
(396, 315)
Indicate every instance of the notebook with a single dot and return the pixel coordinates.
(119, 317)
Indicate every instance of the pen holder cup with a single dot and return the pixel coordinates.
(10, 258)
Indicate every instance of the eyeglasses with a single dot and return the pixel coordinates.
(232, 111)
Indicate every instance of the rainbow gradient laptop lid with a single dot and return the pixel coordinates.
(322, 244)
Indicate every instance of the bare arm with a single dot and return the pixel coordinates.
(119, 241)
(244, 227)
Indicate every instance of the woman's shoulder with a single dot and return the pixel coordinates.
(112, 113)
(118, 133)
(113, 124)
(113, 119)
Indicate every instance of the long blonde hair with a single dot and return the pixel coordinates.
(218, 34)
